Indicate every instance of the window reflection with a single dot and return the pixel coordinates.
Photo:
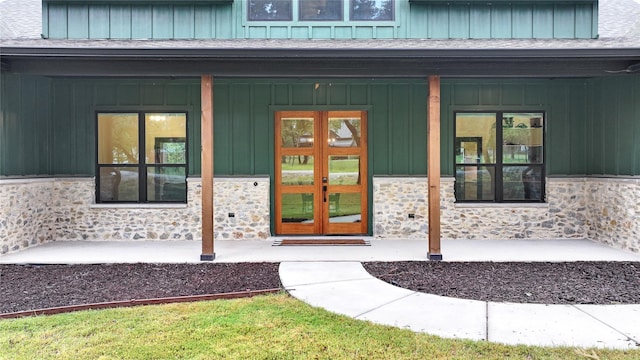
(344, 207)
(297, 133)
(344, 132)
(297, 208)
(476, 138)
(321, 9)
(270, 10)
(372, 10)
(118, 138)
(344, 170)
(522, 138)
(475, 183)
(297, 170)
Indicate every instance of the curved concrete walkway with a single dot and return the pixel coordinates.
(346, 288)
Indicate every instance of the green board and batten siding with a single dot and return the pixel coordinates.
(244, 126)
(47, 126)
(503, 20)
(228, 20)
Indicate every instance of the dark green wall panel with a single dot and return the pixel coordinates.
(614, 148)
(244, 120)
(564, 101)
(24, 136)
(48, 125)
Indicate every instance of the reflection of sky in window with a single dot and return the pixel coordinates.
(372, 10)
(270, 10)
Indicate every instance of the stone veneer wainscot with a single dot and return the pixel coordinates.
(41, 210)
(602, 209)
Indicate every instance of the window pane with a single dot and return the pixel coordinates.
(522, 182)
(532, 182)
(166, 183)
(344, 207)
(270, 10)
(321, 9)
(297, 133)
(165, 138)
(118, 184)
(371, 9)
(475, 138)
(117, 138)
(297, 208)
(522, 137)
(475, 183)
(297, 170)
(344, 132)
(344, 170)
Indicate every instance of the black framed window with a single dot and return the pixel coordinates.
(141, 157)
(499, 156)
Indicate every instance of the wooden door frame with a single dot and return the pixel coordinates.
(321, 154)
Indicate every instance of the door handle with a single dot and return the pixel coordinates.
(324, 193)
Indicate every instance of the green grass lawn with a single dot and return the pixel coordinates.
(264, 327)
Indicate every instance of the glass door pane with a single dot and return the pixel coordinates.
(344, 170)
(297, 208)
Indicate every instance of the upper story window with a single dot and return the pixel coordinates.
(320, 10)
(142, 157)
(499, 156)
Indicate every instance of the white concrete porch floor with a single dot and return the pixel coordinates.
(76, 252)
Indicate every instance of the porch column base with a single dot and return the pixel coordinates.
(207, 257)
(434, 257)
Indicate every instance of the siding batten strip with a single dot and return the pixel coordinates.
(433, 171)
(206, 93)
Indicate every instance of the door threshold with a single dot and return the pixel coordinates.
(321, 241)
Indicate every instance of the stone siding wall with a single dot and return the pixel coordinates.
(248, 201)
(35, 211)
(606, 210)
(394, 198)
(613, 214)
(562, 216)
(25, 217)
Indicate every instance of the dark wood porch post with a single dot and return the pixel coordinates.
(433, 159)
(206, 94)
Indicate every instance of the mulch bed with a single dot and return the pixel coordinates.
(29, 287)
(542, 283)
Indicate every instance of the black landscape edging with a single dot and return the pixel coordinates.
(135, 302)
